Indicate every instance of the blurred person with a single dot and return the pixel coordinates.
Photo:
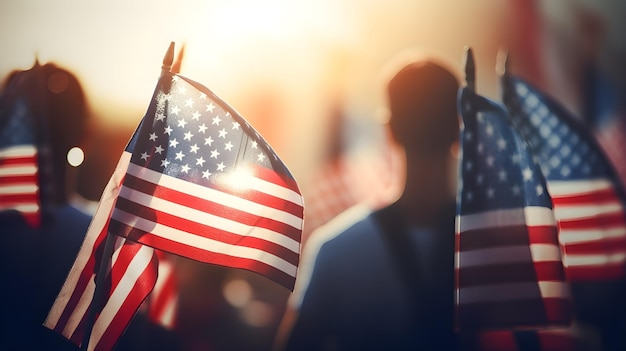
(52, 111)
(384, 279)
(35, 259)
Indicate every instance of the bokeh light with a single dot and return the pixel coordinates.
(75, 156)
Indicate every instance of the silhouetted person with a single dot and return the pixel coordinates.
(384, 280)
(35, 260)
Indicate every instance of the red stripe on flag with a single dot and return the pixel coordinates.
(600, 222)
(605, 272)
(594, 197)
(604, 246)
(18, 179)
(13, 200)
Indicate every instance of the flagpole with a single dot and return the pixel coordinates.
(107, 251)
(466, 335)
(470, 69)
(502, 62)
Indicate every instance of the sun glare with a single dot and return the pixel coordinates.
(238, 180)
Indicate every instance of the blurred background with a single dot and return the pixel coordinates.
(306, 75)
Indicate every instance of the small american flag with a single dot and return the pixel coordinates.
(509, 270)
(162, 304)
(203, 184)
(587, 195)
(19, 171)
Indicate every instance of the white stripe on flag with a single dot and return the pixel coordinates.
(18, 189)
(13, 170)
(510, 254)
(565, 212)
(593, 260)
(575, 236)
(530, 216)
(18, 151)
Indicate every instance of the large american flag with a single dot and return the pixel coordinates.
(509, 270)
(203, 184)
(587, 195)
(19, 171)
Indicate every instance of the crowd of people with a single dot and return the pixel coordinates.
(372, 278)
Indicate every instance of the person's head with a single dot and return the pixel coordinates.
(421, 103)
(421, 100)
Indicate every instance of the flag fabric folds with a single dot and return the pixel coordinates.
(508, 263)
(203, 184)
(19, 147)
(130, 278)
(587, 195)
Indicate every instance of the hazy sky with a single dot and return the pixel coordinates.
(281, 63)
(116, 47)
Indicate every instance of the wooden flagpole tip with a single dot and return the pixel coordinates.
(179, 60)
(169, 58)
(502, 62)
(470, 68)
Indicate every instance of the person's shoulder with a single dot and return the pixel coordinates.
(72, 219)
(325, 237)
(353, 221)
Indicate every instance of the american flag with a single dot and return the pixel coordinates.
(131, 276)
(162, 304)
(203, 184)
(509, 270)
(587, 196)
(19, 171)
